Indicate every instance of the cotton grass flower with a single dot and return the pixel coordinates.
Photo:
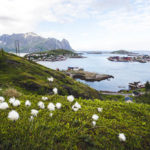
(58, 105)
(55, 90)
(27, 103)
(70, 98)
(44, 98)
(34, 112)
(122, 137)
(51, 106)
(31, 118)
(16, 103)
(2, 99)
(41, 105)
(51, 79)
(94, 123)
(4, 105)
(13, 115)
(99, 109)
(95, 117)
(12, 100)
(76, 106)
(51, 114)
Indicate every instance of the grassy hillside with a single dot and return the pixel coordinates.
(31, 77)
(68, 129)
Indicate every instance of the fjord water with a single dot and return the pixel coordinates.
(123, 72)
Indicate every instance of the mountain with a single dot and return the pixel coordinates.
(31, 42)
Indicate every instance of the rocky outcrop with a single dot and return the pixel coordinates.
(87, 76)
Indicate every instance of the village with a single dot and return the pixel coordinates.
(139, 58)
(51, 57)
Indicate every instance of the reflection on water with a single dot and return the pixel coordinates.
(123, 72)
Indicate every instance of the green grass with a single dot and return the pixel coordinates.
(30, 77)
(67, 129)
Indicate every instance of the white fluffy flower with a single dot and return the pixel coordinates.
(28, 103)
(76, 106)
(95, 117)
(94, 123)
(122, 137)
(2, 99)
(41, 105)
(34, 112)
(12, 100)
(0, 89)
(31, 118)
(100, 109)
(51, 114)
(16, 103)
(51, 106)
(44, 98)
(55, 90)
(51, 79)
(4, 105)
(58, 105)
(70, 98)
(13, 115)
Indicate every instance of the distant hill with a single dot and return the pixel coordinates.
(123, 52)
(31, 42)
(31, 77)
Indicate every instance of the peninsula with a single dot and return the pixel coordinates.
(87, 76)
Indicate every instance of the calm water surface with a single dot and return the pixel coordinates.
(123, 72)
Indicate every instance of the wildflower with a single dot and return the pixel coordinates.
(58, 105)
(70, 98)
(4, 105)
(13, 115)
(41, 105)
(16, 103)
(51, 79)
(100, 109)
(51, 106)
(51, 114)
(31, 118)
(95, 117)
(0, 89)
(2, 99)
(94, 123)
(55, 90)
(12, 100)
(44, 98)
(122, 137)
(28, 103)
(76, 106)
(34, 112)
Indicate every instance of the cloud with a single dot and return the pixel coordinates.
(112, 19)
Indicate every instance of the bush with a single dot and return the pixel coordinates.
(10, 92)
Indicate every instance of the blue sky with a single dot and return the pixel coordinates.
(87, 24)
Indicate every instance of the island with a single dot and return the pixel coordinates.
(53, 55)
(78, 73)
(123, 52)
(140, 58)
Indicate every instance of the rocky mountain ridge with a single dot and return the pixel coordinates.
(31, 42)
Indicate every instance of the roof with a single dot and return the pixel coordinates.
(128, 98)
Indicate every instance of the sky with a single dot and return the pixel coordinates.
(86, 24)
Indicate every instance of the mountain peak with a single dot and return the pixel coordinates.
(30, 34)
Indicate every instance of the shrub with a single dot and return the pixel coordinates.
(10, 92)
